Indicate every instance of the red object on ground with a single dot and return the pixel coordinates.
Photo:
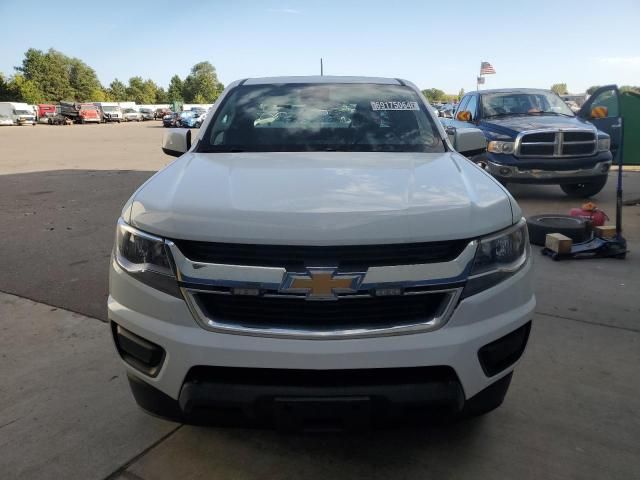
(590, 211)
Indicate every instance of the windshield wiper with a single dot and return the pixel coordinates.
(505, 114)
(550, 113)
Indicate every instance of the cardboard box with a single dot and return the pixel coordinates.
(556, 242)
(605, 231)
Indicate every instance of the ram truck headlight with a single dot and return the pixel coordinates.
(146, 258)
(498, 146)
(604, 144)
(498, 257)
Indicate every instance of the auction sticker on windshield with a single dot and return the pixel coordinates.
(394, 106)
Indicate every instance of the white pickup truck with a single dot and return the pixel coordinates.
(338, 263)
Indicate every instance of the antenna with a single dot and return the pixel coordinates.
(321, 68)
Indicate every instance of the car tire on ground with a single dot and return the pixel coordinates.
(488, 399)
(577, 229)
(586, 189)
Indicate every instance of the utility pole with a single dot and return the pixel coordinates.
(321, 68)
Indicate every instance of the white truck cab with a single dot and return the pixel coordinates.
(19, 113)
(338, 262)
(109, 112)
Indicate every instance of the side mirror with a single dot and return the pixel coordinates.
(464, 116)
(176, 141)
(599, 112)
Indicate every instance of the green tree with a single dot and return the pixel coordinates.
(117, 91)
(4, 88)
(590, 90)
(84, 81)
(135, 90)
(202, 84)
(559, 88)
(20, 89)
(629, 88)
(161, 96)
(174, 92)
(434, 95)
(460, 94)
(141, 91)
(50, 72)
(149, 92)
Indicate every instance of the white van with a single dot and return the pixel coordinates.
(19, 113)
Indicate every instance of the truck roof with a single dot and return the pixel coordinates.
(514, 90)
(322, 79)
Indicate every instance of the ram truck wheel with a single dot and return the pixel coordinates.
(584, 190)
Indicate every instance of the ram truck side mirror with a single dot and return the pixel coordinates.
(176, 141)
(463, 116)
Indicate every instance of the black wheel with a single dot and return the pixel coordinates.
(488, 399)
(577, 229)
(586, 189)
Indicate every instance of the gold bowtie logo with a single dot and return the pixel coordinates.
(321, 283)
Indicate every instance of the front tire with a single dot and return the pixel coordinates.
(488, 399)
(585, 189)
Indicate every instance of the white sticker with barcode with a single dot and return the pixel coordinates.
(394, 106)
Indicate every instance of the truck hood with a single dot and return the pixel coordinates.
(321, 198)
(511, 126)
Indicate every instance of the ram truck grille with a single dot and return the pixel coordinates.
(560, 144)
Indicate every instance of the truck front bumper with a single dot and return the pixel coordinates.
(510, 169)
(194, 365)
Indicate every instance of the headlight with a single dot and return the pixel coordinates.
(146, 258)
(498, 257)
(604, 144)
(501, 147)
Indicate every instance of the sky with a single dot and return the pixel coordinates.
(433, 44)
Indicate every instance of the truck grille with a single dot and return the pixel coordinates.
(298, 315)
(557, 144)
(298, 257)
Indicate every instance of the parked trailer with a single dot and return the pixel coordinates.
(19, 113)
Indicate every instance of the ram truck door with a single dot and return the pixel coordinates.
(603, 110)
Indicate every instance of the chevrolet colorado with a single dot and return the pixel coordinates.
(319, 254)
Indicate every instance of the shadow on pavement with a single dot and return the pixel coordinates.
(57, 234)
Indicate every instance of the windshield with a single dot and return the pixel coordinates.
(88, 107)
(23, 112)
(321, 117)
(109, 108)
(523, 103)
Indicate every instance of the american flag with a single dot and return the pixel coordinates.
(486, 69)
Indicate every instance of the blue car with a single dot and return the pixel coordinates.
(189, 119)
(534, 137)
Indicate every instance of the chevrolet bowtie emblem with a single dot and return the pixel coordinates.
(321, 283)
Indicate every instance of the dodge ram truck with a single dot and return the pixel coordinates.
(340, 263)
(534, 137)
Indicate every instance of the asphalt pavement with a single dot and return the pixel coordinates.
(573, 410)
